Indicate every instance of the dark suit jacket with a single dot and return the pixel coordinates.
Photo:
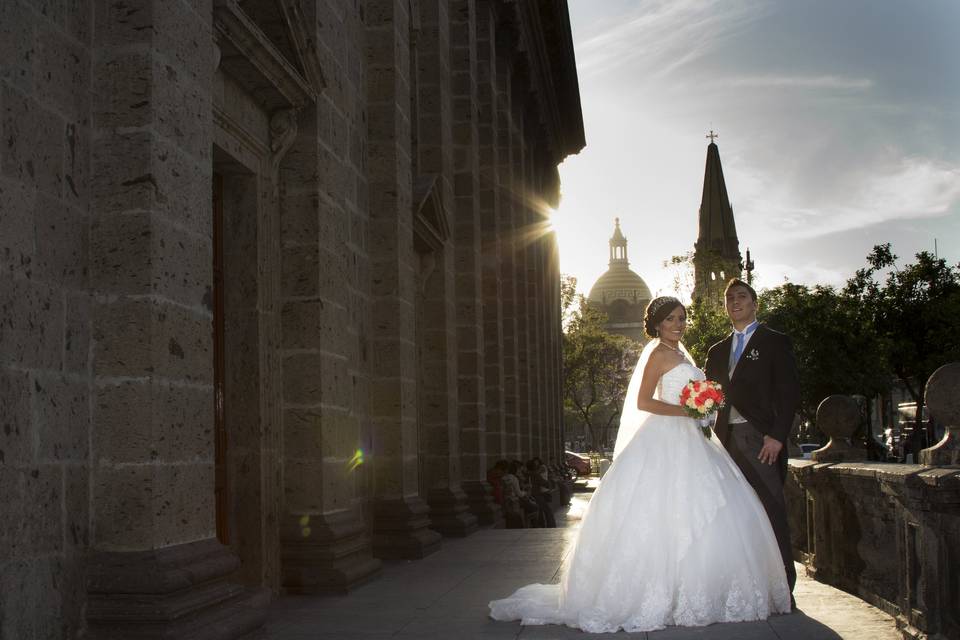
(765, 387)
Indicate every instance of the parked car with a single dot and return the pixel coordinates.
(809, 448)
(579, 463)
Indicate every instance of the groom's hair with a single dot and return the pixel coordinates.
(737, 282)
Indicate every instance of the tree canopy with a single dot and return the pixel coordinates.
(836, 348)
(915, 311)
(597, 366)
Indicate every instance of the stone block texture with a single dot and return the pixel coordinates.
(273, 297)
(885, 532)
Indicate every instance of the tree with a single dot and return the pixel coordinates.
(680, 269)
(597, 366)
(916, 312)
(707, 324)
(837, 349)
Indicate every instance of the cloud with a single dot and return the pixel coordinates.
(908, 189)
(773, 274)
(664, 35)
(798, 82)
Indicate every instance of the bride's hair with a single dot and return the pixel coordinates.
(657, 311)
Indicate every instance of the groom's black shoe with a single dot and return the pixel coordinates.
(793, 604)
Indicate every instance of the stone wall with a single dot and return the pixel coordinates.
(889, 533)
(275, 295)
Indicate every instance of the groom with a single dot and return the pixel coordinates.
(756, 368)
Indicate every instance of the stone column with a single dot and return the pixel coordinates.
(490, 199)
(400, 516)
(155, 568)
(467, 239)
(324, 539)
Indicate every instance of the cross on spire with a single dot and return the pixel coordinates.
(712, 135)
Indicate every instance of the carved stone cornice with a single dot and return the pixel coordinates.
(303, 42)
(249, 57)
(546, 42)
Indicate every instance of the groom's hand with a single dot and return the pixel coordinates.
(770, 450)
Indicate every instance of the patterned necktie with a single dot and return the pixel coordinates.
(738, 350)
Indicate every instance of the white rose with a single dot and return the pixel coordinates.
(708, 404)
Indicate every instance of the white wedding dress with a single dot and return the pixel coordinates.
(673, 535)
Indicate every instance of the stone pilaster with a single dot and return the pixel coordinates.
(490, 199)
(555, 353)
(399, 514)
(438, 397)
(533, 230)
(326, 545)
(536, 301)
(45, 306)
(467, 237)
(151, 270)
(506, 226)
(521, 245)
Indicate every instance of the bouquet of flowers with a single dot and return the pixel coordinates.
(701, 399)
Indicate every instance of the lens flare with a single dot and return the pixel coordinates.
(356, 460)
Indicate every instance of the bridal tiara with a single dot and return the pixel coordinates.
(659, 302)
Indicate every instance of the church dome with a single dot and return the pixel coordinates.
(620, 283)
(621, 293)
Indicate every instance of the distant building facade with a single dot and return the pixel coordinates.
(716, 255)
(620, 292)
(266, 315)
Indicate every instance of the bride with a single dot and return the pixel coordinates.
(674, 535)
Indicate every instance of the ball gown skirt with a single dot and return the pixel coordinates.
(674, 535)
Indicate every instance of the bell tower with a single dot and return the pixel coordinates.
(716, 254)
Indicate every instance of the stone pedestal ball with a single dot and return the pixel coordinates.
(838, 417)
(943, 405)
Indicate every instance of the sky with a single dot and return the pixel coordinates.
(838, 123)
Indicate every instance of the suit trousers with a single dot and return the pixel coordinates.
(744, 443)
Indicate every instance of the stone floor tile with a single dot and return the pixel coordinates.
(459, 629)
(445, 596)
(728, 631)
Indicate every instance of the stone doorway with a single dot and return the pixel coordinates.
(244, 328)
(221, 496)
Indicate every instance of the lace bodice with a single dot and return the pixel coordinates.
(673, 381)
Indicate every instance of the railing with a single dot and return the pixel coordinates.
(888, 533)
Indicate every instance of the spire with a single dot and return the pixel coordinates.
(716, 255)
(618, 246)
(718, 233)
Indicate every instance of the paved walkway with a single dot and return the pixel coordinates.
(445, 596)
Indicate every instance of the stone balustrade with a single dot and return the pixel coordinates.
(888, 533)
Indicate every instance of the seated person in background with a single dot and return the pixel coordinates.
(540, 490)
(516, 501)
(494, 477)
